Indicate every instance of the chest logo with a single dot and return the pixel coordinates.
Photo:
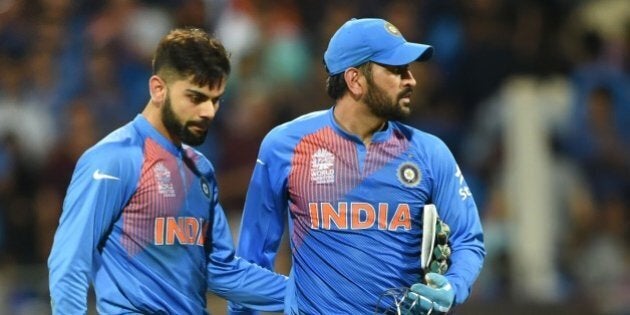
(323, 167)
(409, 174)
(205, 188)
(163, 179)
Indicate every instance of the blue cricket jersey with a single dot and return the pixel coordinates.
(141, 221)
(355, 212)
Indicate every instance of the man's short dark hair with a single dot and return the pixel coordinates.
(186, 52)
(336, 85)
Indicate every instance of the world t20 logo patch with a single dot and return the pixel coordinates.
(163, 179)
(409, 174)
(323, 167)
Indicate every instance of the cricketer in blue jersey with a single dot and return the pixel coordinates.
(353, 181)
(141, 221)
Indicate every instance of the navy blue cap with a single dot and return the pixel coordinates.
(361, 40)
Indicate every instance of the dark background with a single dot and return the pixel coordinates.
(532, 97)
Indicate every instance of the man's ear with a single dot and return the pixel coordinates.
(157, 89)
(356, 86)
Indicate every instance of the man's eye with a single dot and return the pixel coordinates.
(197, 98)
(400, 70)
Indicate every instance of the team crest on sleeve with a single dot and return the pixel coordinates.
(323, 167)
(409, 174)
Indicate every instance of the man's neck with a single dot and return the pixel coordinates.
(153, 116)
(356, 118)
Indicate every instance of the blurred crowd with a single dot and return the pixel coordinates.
(532, 97)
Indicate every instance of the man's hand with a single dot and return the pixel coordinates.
(435, 297)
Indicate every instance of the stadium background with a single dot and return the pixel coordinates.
(532, 96)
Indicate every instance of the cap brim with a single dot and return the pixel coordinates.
(405, 53)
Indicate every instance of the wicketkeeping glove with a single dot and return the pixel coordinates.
(442, 251)
(435, 297)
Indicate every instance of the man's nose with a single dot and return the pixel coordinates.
(209, 109)
(408, 79)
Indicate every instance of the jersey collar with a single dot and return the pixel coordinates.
(379, 136)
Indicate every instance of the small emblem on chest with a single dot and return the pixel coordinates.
(323, 167)
(409, 174)
(163, 180)
(205, 188)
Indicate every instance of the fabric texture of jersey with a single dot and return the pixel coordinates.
(355, 213)
(142, 223)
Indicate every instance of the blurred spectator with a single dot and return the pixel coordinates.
(15, 197)
(237, 28)
(243, 130)
(485, 59)
(80, 132)
(604, 155)
(74, 70)
(102, 90)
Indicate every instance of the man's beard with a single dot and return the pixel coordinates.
(176, 128)
(381, 106)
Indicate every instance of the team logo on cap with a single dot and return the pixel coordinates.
(392, 29)
(409, 174)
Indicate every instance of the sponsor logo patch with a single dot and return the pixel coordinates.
(98, 175)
